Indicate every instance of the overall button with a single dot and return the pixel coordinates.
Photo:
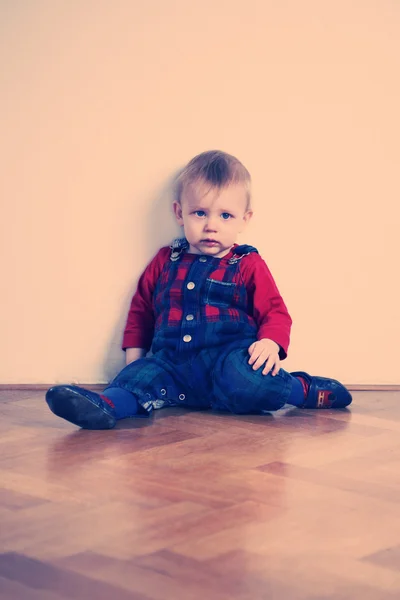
(202, 259)
(187, 338)
(190, 285)
(189, 317)
(182, 396)
(163, 392)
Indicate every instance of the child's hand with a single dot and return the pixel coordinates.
(133, 354)
(265, 351)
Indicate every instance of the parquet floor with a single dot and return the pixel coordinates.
(193, 505)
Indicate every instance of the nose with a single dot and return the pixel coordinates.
(210, 224)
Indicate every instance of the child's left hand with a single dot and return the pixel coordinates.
(265, 351)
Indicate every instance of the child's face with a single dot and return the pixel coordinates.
(212, 214)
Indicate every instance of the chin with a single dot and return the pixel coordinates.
(211, 249)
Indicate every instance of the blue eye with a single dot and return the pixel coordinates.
(225, 216)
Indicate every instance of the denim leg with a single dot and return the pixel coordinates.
(150, 379)
(240, 389)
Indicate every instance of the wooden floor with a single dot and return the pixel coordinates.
(194, 505)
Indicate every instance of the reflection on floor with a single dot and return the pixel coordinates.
(193, 505)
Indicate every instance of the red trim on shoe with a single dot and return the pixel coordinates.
(305, 384)
(323, 400)
(107, 400)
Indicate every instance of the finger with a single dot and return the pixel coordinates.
(276, 368)
(260, 360)
(268, 365)
(251, 350)
(255, 353)
(254, 356)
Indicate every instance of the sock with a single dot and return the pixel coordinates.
(122, 402)
(305, 384)
(299, 391)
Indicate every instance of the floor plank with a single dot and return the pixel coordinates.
(186, 505)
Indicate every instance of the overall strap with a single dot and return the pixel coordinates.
(178, 246)
(240, 252)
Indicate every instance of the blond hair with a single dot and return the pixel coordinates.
(217, 168)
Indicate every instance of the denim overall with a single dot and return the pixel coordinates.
(201, 360)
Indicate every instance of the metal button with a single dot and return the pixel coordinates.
(182, 396)
(163, 392)
(187, 338)
(189, 317)
(190, 285)
(148, 395)
(202, 259)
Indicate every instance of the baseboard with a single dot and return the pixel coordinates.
(356, 387)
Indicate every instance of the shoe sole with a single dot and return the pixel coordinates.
(77, 409)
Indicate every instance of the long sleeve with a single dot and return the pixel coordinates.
(139, 328)
(266, 303)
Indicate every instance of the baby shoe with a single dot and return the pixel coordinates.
(81, 407)
(324, 392)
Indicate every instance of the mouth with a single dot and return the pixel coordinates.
(209, 242)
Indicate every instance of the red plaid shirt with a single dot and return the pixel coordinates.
(252, 295)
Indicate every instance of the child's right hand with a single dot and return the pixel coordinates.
(133, 354)
(265, 351)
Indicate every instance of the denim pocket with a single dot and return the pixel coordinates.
(219, 293)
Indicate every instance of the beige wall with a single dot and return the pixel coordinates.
(101, 102)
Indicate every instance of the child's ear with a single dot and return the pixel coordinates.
(246, 218)
(178, 212)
